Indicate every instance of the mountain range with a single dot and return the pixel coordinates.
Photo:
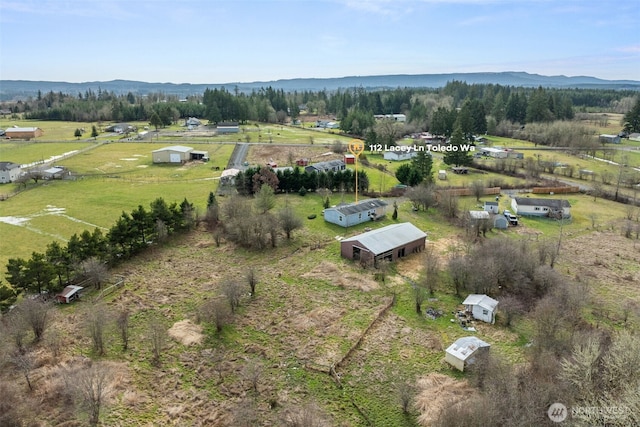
(22, 89)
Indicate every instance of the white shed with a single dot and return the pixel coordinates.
(442, 174)
(481, 307)
(464, 352)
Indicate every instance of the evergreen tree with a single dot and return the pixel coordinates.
(423, 162)
(457, 156)
(632, 118)
(94, 132)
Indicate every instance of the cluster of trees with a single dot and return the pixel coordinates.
(251, 180)
(250, 223)
(482, 107)
(86, 256)
(418, 171)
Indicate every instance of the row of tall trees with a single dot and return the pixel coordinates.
(251, 180)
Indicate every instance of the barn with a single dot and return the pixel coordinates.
(387, 243)
(23, 133)
(178, 154)
(349, 214)
(464, 352)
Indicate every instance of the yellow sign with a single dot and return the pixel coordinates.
(356, 147)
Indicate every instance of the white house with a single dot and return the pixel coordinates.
(398, 156)
(497, 153)
(554, 208)
(350, 214)
(464, 352)
(9, 172)
(481, 307)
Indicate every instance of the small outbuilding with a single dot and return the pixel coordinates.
(442, 175)
(68, 294)
(481, 307)
(491, 207)
(387, 243)
(228, 176)
(500, 222)
(465, 351)
(349, 159)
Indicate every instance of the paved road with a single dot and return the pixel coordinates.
(238, 156)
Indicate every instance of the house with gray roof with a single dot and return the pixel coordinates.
(349, 214)
(387, 243)
(331, 165)
(9, 172)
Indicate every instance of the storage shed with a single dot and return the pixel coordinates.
(68, 294)
(481, 307)
(391, 242)
(465, 351)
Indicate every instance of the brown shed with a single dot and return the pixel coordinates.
(390, 242)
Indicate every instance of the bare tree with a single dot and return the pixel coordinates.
(233, 292)
(449, 204)
(477, 189)
(24, 362)
(16, 328)
(122, 323)
(307, 415)
(10, 405)
(252, 372)
(157, 339)
(289, 221)
(53, 339)
(422, 196)
(35, 313)
(215, 312)
(419, 295)
(96, 323)
(96, 271)
(431, 269)
(91, 386)
(252, 280)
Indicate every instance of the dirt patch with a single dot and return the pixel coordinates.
(437, 392)
(280, 154)
(341, 278)
(186, 332)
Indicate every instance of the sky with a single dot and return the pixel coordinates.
(223, 41)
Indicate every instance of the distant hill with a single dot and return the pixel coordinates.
(21, 89)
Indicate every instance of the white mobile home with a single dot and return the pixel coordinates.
(554, 208)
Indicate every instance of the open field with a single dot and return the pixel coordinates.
(310, 307)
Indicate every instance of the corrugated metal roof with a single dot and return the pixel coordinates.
(464, 347)
(179, 148)
(551, 203)
(70, 290)
(387, 238)
(19, 129)
(481, 300)
(479, 214)
(364, 205)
